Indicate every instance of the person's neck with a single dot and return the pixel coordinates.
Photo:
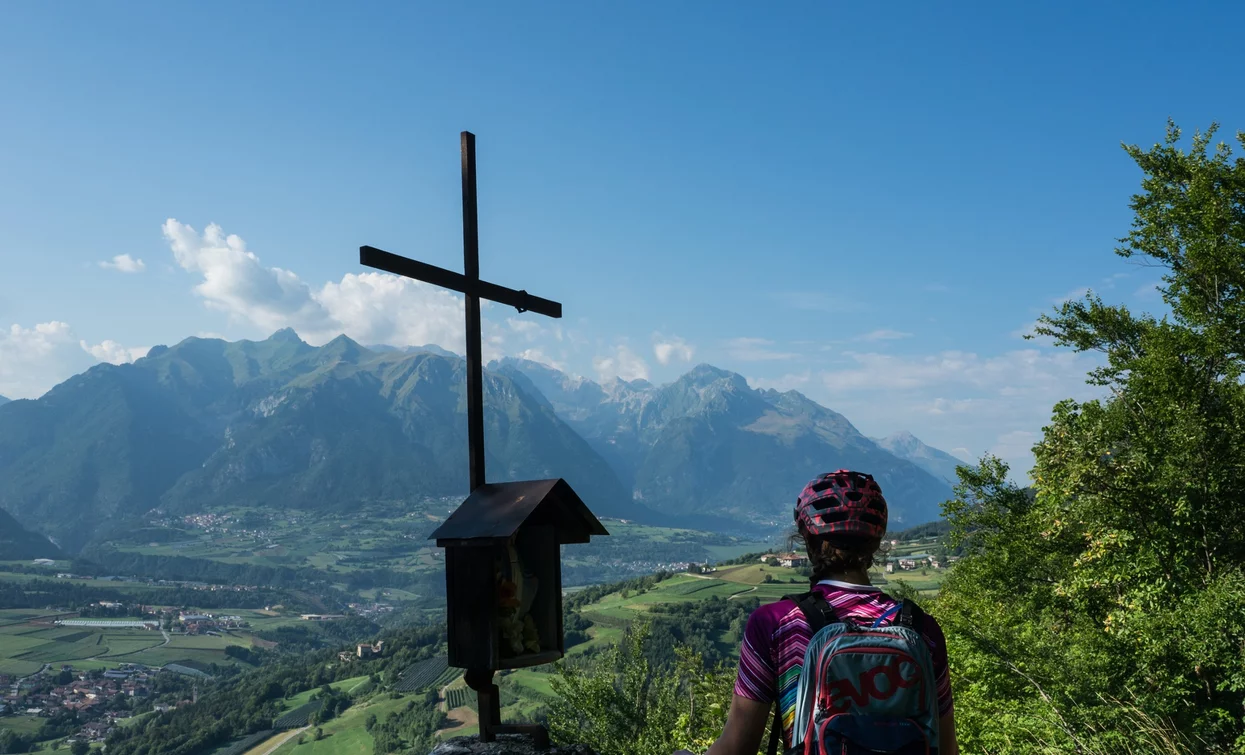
(851, 578)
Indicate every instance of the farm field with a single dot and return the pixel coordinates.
(29, 639)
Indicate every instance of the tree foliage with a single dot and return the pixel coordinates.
(620, 704)
(1105, 610)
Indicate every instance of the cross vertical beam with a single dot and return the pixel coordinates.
(471, 270)
(473, 290)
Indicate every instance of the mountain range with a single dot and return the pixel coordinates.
(16, 542)
(284, 424)
(938, 463)
(3, 400)
(709, 444)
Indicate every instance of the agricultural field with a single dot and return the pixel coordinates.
(30, 639)
(433, 672)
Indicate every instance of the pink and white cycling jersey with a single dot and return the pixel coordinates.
(777, 635)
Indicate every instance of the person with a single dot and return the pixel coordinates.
(841, 517)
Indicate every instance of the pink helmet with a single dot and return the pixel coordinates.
(842, 503)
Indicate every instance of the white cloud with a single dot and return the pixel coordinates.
(951, 406)
(1032, 367)
(1017, 443)
(622, 363)
(756, 350)
(124, 263)
(1151, 290)
(959, 399)
(784, 383)
(368, 307)
(529, 329)
(113, 352)
(34, 359)
(672, 349)
(883, 334)
(1075, 294)
(536, 355)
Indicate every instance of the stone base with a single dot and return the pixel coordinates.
(506, 744)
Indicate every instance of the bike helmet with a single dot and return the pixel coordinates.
(842, 504)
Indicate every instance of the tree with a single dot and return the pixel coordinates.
(79, 747)
(618, 703)
(1104, 610)
(319, 734)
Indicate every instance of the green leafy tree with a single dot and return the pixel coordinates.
(1104, 610)
(619, 704)
(79, 747)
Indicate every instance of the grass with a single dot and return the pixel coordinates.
(21, 724)
(534, 681)
(346, 734)
(303, 698)
(18, 667)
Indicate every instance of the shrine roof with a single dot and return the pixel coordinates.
(496, 511)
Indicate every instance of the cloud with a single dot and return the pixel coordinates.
(34, 359)
(529, 329)
(962, 453)
(124, 263)
(1075, 294)
(883, 334)
(957, 398)
(951, 406)
(621, 363)
(368, 307)
(113, 352)
(756, 350)
(784, 383)
(536, 355)
(1017, 443)
(673, 349)
(1029, 367)
(1151, 290)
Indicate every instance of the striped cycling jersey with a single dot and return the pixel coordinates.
(772, 653)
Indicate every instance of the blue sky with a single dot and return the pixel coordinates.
(866, 203)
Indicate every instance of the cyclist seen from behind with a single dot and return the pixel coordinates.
(845, 668)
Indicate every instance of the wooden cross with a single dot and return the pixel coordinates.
(473, 290)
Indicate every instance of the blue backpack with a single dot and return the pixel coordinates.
(863, 689)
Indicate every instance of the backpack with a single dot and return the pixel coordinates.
(863, 689)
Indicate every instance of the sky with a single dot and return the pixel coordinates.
(867, 203)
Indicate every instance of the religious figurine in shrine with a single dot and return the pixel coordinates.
(517, 586)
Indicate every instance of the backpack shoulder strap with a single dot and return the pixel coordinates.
(817, 612)
(775, 728)
(911, 615)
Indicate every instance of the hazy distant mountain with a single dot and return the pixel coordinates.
(430, 348)
(3, 400)
(938, 463)
(272, 423)
(18, 543)
(707, 444)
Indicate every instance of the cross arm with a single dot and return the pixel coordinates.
(438, 276)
